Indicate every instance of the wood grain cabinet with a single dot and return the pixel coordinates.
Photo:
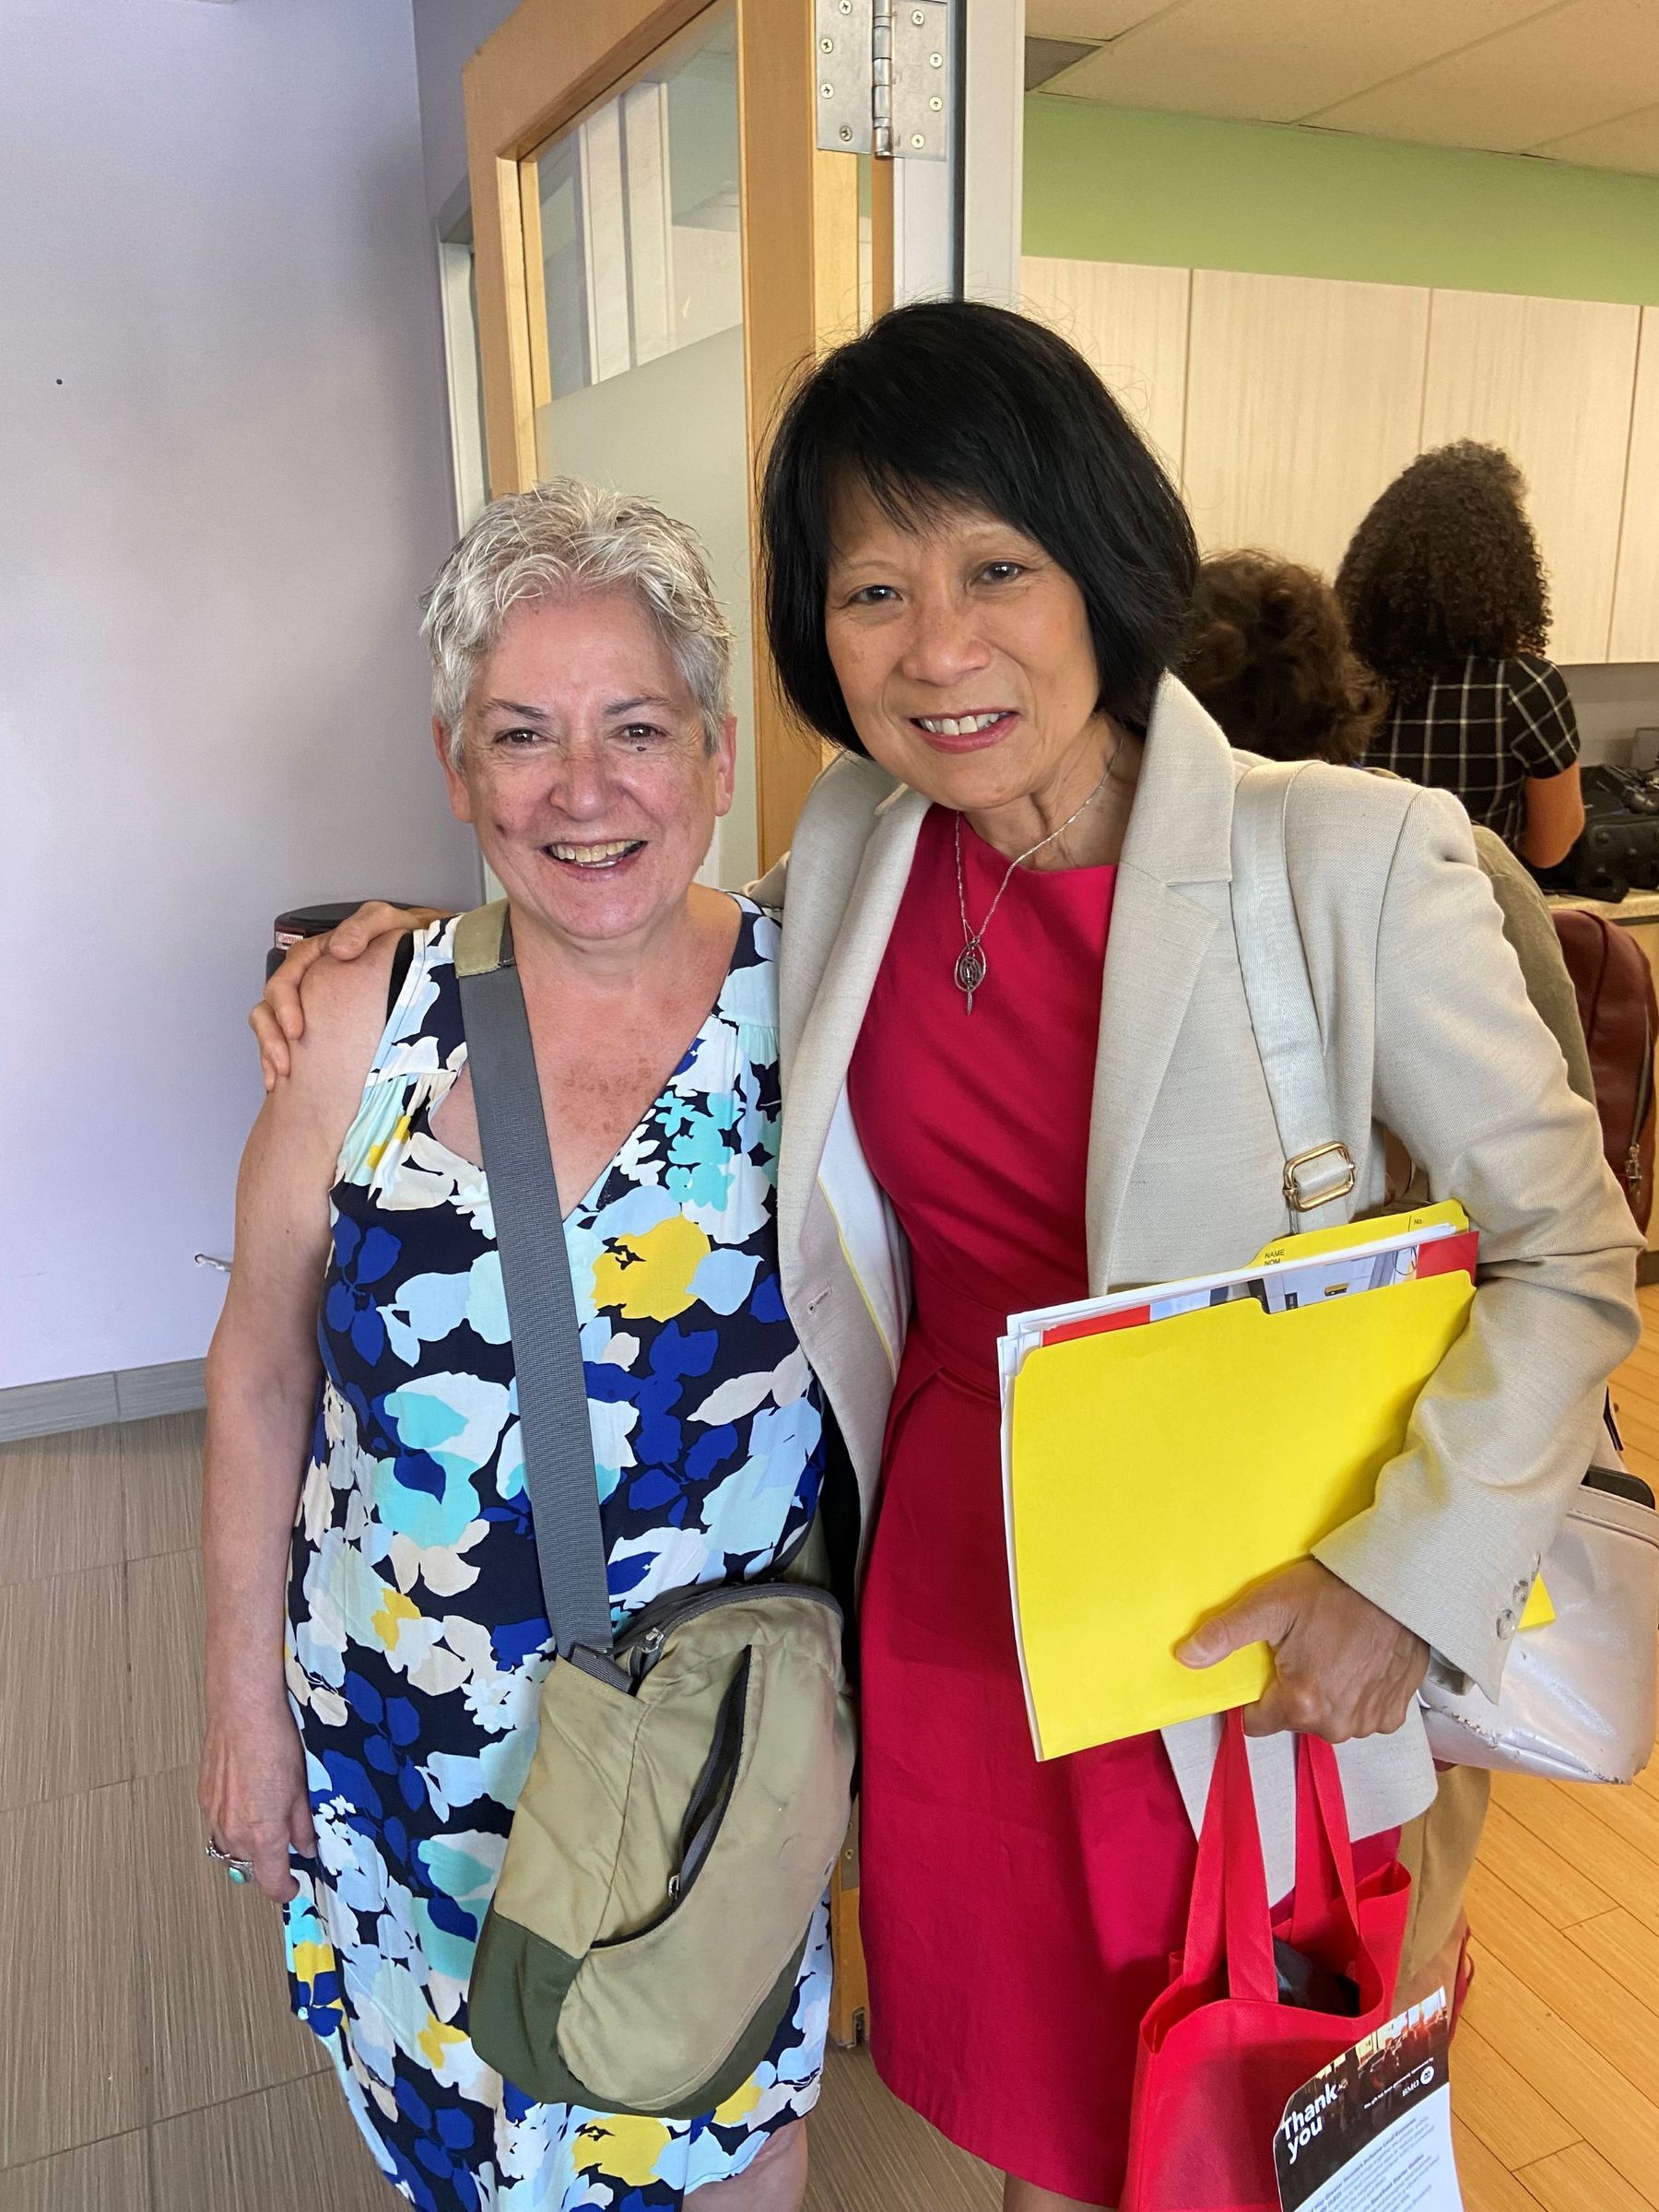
(1129, 322)
(1636, 596)
(1286, 404)
(1552, 381)
(1303, 398)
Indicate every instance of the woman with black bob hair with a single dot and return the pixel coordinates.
(1447, 599)
(1019, 1069)
(1030, 435)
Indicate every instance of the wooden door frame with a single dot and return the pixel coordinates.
(547, 63)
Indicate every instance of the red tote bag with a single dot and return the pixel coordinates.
(1220, 2057)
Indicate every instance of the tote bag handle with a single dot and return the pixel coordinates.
(1229, 1933)
(1324, 1851)
(1229, 1925)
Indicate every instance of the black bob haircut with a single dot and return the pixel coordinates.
(951, 403)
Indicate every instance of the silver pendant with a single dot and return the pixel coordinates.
(970, 970)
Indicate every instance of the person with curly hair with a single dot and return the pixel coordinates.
(1446, 598)
(1269, 656)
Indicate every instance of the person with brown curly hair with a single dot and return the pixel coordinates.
(1269, 656)
(1446, 598)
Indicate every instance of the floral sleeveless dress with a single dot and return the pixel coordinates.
(418, 1637)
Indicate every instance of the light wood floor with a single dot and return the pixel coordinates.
(148, 2061)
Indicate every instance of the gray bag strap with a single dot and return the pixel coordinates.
(1319, 1169)
(560, 1478)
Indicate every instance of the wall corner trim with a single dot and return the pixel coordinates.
(135, 1394)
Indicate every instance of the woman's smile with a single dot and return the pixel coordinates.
(605, 857)
(966, 662)
(968, 732)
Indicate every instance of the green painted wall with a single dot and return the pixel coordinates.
(1184, 191)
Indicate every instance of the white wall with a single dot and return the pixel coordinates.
(223, 483)
(1612, 701)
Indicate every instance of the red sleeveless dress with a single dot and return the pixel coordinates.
(1018, 1918)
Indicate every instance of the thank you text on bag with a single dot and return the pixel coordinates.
(1372, 2131)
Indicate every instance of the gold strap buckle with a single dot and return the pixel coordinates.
(1336, 1181)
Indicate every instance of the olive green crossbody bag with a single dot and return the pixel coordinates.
(689, 1788)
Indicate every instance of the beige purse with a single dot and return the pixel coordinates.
(690, 1783)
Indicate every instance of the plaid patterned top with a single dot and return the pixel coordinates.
(1481, 734)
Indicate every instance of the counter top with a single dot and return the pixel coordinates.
(1634, 907)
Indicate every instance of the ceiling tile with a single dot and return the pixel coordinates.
(1047, 58)
(1276, 61)
(1090, 19)
(1558, 75)
(1631, 143)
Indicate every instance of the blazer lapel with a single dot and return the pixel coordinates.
(817, 1069)
(1180, 832)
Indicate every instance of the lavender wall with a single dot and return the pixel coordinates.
(447, 34)
(223, 449)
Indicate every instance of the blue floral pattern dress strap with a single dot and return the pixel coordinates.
(417, 1638)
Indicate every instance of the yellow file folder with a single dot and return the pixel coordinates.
(1155, 1473)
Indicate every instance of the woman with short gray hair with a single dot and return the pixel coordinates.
(567, 539)
(580, 689)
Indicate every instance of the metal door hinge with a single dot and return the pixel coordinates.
(884, 79)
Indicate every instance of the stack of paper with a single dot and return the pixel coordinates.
(1165, 1448)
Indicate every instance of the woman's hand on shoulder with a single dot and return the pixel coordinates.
(1342, 1666)
(279, 1020)
(286, 1167)
(341, 1012)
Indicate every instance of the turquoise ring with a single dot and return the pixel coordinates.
(239, 1870)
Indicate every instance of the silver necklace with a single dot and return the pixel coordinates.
(971, 966)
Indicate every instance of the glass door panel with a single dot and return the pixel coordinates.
(662, 245)
(640, 379)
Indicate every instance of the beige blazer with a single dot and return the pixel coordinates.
(1428, 1032)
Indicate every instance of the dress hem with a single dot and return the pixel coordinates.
(956, 2125)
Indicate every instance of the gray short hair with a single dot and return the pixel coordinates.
(565, 539)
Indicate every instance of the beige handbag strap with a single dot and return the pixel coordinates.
(1319, 1169)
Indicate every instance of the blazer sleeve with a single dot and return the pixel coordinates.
(1471, 1081)
(1532, 933)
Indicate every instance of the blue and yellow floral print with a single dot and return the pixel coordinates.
(418, 1636)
